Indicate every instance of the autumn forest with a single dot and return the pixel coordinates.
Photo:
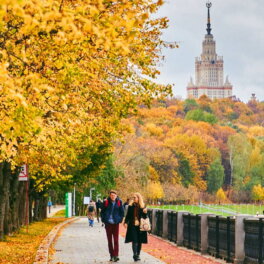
(177, 149)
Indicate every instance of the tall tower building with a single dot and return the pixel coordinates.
(209, 71)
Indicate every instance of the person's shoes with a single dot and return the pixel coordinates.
(116, 258)
(136, 258)
(111, 258)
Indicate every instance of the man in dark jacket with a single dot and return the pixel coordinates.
(112, 215)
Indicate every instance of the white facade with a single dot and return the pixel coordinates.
(209, 72)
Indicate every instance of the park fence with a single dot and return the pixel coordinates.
(236, 239)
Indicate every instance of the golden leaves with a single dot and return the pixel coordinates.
(69, 73)
(22, 247)
(258, 193)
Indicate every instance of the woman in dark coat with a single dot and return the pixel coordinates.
(136, 210)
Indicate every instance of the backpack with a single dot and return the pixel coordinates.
(106, 203)
(90, 208)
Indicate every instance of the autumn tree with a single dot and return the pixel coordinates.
(189, 104)
(154, 191)
(239, 153)
(194, 150)
(258, 193)
(200, 115)
(215, 176)
(220, 195)
(205, 103)
(70, 71)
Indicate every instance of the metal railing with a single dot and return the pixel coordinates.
(172, 226)
(159, 223)
(215, 235)
(221, 237)
(192, 231)
(254, 248)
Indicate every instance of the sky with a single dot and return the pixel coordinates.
(238, 29)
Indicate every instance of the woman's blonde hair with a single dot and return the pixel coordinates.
(140, 200)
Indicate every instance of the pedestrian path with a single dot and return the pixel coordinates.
(81, 244)
(54, 209)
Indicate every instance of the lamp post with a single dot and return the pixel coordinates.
(73, 213)
(91, 190)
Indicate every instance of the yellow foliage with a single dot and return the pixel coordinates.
(194, 149)
(153, 129)
(68, 74)
(255, 157)
(258, 193)
(153, 174)
(154, 190)
(220, 195)
(22, 246)
(256, 131)
(156, 113)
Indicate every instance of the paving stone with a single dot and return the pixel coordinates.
(81, 244)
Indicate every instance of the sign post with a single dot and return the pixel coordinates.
(68, 204)
(24, 176)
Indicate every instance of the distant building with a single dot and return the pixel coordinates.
(209, 70)
(253, 97)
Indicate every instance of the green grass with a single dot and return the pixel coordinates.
(249, 209)
(60, 213)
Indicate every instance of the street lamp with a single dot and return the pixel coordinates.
(91, 189)
(73, 213)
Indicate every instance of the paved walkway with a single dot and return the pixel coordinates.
(81, 244)
(54, 210)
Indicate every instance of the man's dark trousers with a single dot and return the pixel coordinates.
(112, 232)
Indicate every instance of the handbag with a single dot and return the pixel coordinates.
(144, 224)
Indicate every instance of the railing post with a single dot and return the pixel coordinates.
(165, 224)
(228, 239)
(197, 231)
(240, 239)
(217, 236)
(154, 211)
(260, 238)
(180, 226)
(189, 230)
(204, 232)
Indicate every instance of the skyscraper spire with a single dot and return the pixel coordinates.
(209, 70)
(208, 5)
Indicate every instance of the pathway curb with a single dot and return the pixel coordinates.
(42, 256)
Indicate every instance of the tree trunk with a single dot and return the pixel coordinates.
(4, 195)
(44, 202)
(36, 209)
(21, 204)
(30, 209)
(232, 166)
(2, 202)
(14, 201)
